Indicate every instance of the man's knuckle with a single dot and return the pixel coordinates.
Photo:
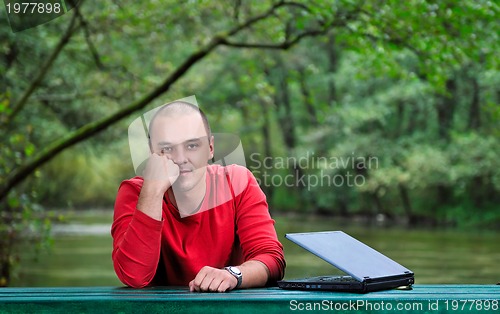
(222, 288)
(198, 281)
(213, 288)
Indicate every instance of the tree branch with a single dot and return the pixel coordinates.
(44, 69)
(396, 41)
(281, 46)
(287, 43)
(88, 130)
(90, 44)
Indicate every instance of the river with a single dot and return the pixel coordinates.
(81, 253)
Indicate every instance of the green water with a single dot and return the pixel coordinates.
(435, 256)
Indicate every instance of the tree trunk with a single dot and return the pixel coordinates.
(266, 135)
(474, 110)
(445, 108)
(307, 98)
(405, 198)
(285, 115)
(6, 240)
(285, 118)
(400, 113)
(333, 60)
(4, 273)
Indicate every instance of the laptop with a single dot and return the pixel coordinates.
(367, 269)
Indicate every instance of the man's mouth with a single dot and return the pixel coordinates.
(185, 171)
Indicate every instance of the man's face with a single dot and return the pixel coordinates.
(183, 139)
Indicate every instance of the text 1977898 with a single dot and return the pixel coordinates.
(33, 8)
(471, 305)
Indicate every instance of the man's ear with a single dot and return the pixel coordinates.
(211, 147)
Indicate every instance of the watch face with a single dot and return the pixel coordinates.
(235, 270)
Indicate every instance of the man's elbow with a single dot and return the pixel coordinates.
(132, 280)
(135, 284)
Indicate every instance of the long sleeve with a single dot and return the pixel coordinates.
(255, 227)
(136, 238)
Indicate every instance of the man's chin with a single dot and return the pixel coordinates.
(187, 181)
(183, 184)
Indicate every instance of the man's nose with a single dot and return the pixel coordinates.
(179, 156)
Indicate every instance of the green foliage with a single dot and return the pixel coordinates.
(413, 84)
(90, 177)
(22, 219)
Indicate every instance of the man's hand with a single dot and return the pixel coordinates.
(161, 172)
(159, 175)
(255, 274)
(213, 280)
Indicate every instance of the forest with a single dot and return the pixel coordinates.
(347, 108)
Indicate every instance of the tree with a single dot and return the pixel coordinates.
(278, 15)
(383, 77)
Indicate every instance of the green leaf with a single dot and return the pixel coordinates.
(29, 149)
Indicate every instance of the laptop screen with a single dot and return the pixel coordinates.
(348, 254)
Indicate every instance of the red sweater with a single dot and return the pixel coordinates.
(226, 231)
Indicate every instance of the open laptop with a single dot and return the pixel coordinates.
(366, 269)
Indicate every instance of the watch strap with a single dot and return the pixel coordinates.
(238, 277)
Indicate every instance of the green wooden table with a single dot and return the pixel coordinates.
(422, 299)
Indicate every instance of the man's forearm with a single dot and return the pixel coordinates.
(254, 274)
(159, 174)
(150, 201)
(135, 260)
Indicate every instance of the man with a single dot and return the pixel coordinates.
(185, 222)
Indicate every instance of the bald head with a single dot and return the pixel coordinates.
(178, 109)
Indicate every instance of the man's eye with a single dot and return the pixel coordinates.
(192, 146)
(165, 150)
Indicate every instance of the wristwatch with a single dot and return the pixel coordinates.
(236, 272)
